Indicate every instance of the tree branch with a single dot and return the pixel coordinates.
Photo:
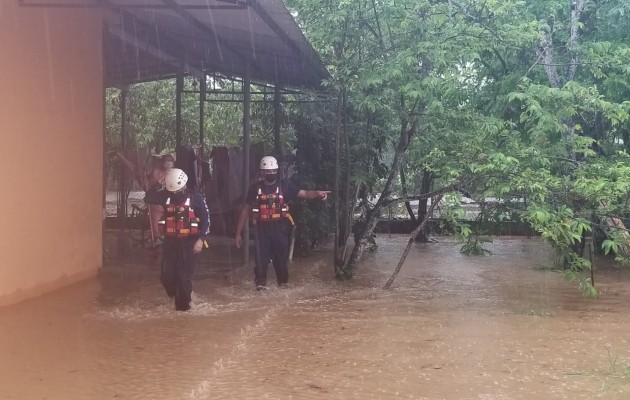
(576, 12)
(434, 193)
(546, 54)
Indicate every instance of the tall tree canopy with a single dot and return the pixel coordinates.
(523, 103)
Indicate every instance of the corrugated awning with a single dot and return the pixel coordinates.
(153, 39)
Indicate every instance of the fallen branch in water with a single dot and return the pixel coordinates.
(412, 239)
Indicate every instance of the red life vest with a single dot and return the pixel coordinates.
(270, 207)
(179, 220)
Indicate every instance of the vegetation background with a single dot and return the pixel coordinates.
(521, 106)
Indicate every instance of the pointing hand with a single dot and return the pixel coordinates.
(323, 194)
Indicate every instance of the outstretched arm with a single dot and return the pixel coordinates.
(313, 194)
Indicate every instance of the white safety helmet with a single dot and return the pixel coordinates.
(268, 162)
(175, 179)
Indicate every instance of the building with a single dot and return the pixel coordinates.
(57, 58)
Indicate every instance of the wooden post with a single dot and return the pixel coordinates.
(276, 123)
(179, 88)
(104, 160)
(122, 181)
(246, 148)
(202, 104)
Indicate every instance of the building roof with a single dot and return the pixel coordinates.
(154, 39)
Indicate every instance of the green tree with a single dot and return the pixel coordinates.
(510, 101)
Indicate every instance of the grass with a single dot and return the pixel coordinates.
(535, 313)
(618, 368)
(543, 267)
(615, 377)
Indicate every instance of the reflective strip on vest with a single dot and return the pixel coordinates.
(270, 207)
(179, 220)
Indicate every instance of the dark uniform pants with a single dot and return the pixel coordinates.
(178, 264)
(272, 244)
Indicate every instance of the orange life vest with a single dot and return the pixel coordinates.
(270, 207)
(179, 220)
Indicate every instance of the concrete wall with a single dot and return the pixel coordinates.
(51, 148)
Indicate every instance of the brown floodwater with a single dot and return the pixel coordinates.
(451, 327)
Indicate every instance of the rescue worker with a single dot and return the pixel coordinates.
(267, 203)
(186, 225)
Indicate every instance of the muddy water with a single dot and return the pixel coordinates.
(452, 327)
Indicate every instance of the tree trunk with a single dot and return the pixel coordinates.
(403, 185)
(412, 237)
(373, 215)
(337, 262)
(427, 181)
(577, 6)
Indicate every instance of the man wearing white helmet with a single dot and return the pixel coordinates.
(185, 225)
(266, 202)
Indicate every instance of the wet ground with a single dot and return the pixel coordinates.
(451, 327)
